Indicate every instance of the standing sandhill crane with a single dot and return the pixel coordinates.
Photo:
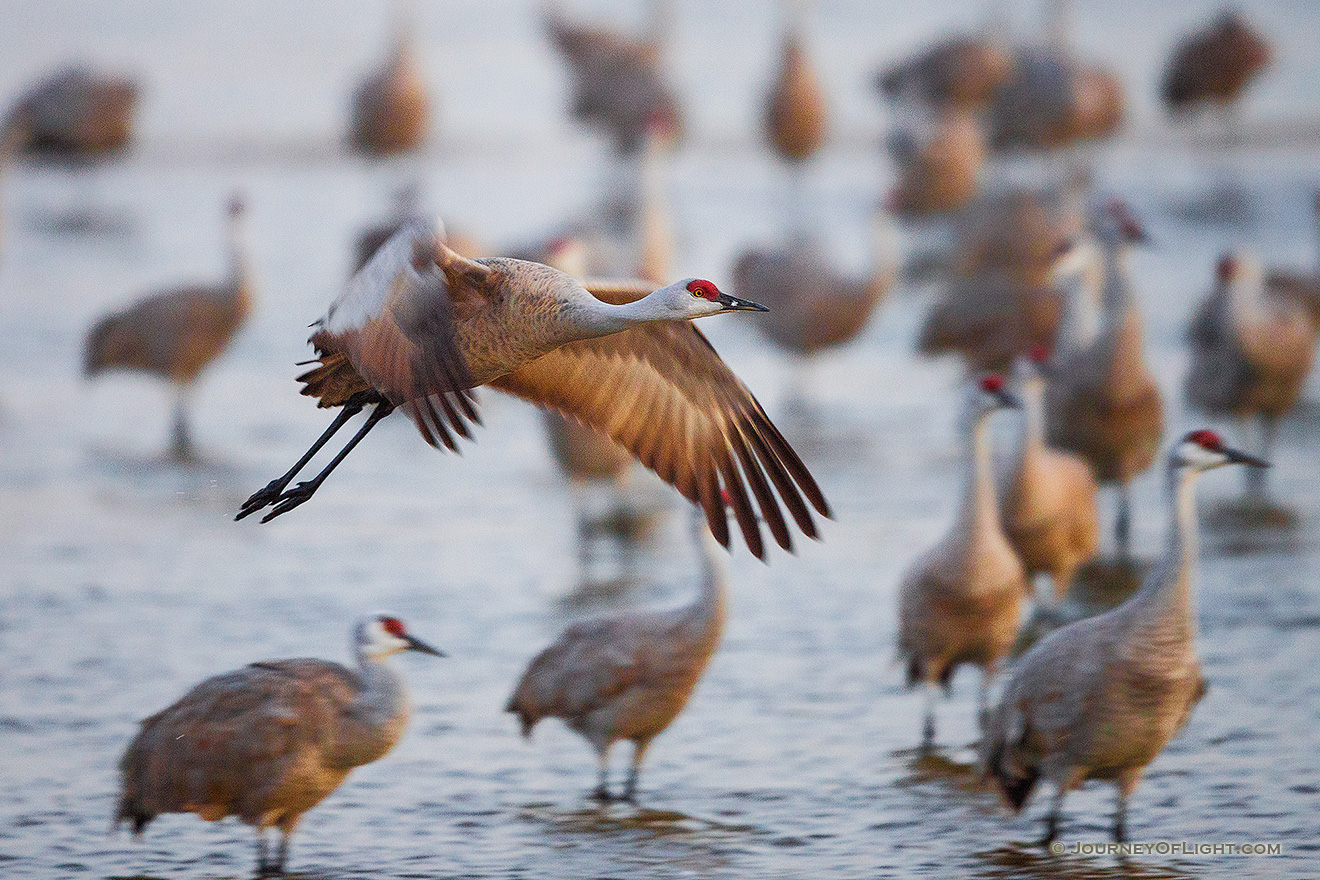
(1102, 402)
(961, 601)
(175, 335)
(1301, 286)
(391, 107)
(1047, 497)
(628, 676)
(1052, 100)
(420, 326)
(988, 317)
(268, 742)
(796, 110)
(957, 73)
(618, 81)
(73, 113)
(1100, 698)
(939, 163)
(1251, 351)
(812, 305)
(1214, 65)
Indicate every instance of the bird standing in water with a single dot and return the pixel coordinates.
(268, 742)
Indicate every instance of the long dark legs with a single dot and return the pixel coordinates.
(272, 491)
(1123, 524)
(1052, 820)
(275, 490)
(928, 727)
(181, 446)
(602, 789)
(634, 771)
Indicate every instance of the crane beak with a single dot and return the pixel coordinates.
(1236, 457)
(1008, 399)
(732, 303)
(416, 644)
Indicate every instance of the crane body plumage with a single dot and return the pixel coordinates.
(626, 677)
(268, 742)
(176, 334)
(961, 601)
(1048, 497)
(1100, 698)
(419, 326)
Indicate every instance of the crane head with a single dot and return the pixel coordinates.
(383, 635)
(1203, 450)
(995, 395)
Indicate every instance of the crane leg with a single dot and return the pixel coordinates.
(181, 446)
(602, 790)
(928, 728)
(634, 771)
(261, 852)
(271, 492)
(1052, 820)
(282, 854)
(1120, 818)
(983, 701)
(291, 498)
(1123, 524)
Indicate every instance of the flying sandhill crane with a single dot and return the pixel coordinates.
(1101, 401)
(961, 601)
(73, 113)
(618, 81)
(1047, 497)
(796, 110)
(1301, 286)
(391, 107)
(1251, 351)
(174, 335)
(939, 163)
(627, 676)
(420, 326)
(1100, 698)
(268, 742)
(1214, 65)
(813, 306)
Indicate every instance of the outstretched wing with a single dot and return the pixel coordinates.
(394, 326)
(661, 391)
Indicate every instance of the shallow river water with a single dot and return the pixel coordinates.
(124, 579)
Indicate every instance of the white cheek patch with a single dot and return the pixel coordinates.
(1199, 457)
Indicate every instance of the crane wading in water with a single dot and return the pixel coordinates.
(421, 326)
(627, 676)
(268, 742)
(1100, 698)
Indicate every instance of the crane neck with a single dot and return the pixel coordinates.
(1165, 607)
(1080, 324)
(1031, 442)
(382, 697)
(1116, 289)
(979, 509)
(372, 723)
(587, 316)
